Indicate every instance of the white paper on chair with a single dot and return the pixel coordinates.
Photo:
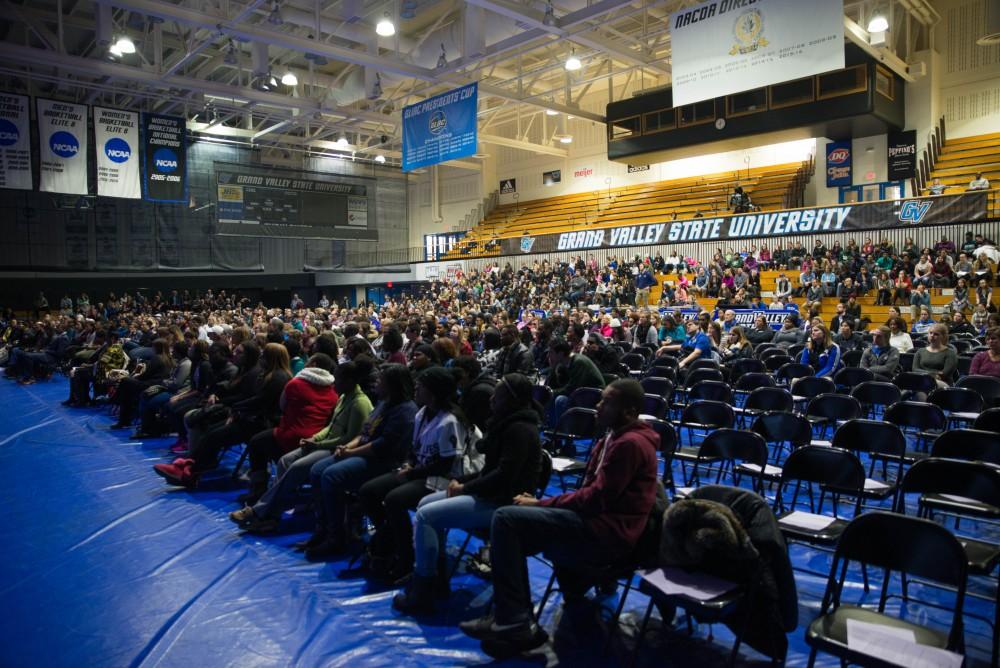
(809, 521)
(678, 582)
(958, 499)
(897, 646)
(560, 464)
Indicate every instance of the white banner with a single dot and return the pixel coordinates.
(439, 271)
(722, 47)
(62, 139)
(116, 134)
(357, 211)
(15, 142)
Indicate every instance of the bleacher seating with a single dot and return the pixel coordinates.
(962, 158)
(770, 188)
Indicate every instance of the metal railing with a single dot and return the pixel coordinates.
(928, 158)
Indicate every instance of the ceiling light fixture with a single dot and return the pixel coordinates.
(573, 63)
(125, 45)
(566, 139)
(342, 141)
(442, 59)
(114, 51)
(551, 112)
(380, 159)
(878, 23)
(289, 79)
(550, 15)
(275, 18)
(384, 27)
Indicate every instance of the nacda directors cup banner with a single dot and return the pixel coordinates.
(62, 139)
(165, 160)
(15, 142)
(116, 134)
(722, 47)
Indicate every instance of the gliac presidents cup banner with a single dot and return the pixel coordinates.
(440, 128)
(722, 47)
(116, 134)
(62, 138)
(15, 142)
(165, 160)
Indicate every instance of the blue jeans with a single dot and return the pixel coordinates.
(435, 515)
(332, 479)
(294, 469)
(559, 405)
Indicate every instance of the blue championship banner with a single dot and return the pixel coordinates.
(165, 160)
(440, 128)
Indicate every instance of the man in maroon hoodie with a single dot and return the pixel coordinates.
(595, 525)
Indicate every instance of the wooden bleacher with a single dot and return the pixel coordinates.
(877, 314)
(961, 159)
(769, 187)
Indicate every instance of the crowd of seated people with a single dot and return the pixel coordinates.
(428, 404)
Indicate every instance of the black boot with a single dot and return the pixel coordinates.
(417, 598)
(258, 485)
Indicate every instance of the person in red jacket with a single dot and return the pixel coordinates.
(307, 402)
(595, 525)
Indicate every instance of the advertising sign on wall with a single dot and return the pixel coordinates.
(62, 139)
(15, 142)
(440, 128)
(838, 164)
(722, 47)
(165, 160)
(508, 186)
(551, 178)
(116, 136)
(902, 158)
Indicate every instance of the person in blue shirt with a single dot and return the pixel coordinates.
(696, 346)
(923, 323)
(643, 282)
(821, 353)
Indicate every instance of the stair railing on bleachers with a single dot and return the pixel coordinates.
(929, 158)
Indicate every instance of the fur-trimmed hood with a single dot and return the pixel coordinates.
(316, 376)
(697, 532)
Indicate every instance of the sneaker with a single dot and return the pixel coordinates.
(242, 516)
(262, 525)
(478, 628)
(177, 474)
(179, 448)
(508, 643)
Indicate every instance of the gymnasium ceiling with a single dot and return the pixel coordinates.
(212, 61)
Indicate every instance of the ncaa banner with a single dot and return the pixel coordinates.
(838, 164)
(902, 157)
(440, 128)
(721, 47)
(116, 135)
(15, 142)
(887, 214)
(62, 139)
(164, 140)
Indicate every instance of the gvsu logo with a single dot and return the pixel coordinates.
(64, 144)
(838, 156)
(165, 160)
(438, 122)
(914, 211)
(117, 150)
(8, 133)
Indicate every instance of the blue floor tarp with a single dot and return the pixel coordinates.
(105, 565)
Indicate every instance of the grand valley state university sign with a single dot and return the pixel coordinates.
(941, 210)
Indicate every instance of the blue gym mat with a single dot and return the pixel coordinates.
(105, 565)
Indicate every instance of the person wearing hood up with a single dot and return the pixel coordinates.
(306, 404)
(513, 461)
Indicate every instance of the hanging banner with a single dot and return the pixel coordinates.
(745, 317)
(15, 142)
(838, 164)
(945, 209)
(440, 128)
(116, 135)
(902, 158)
(721, 47)
(164, 142)
(62, 139)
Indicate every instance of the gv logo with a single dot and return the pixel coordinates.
(8, 133)
(913, 211)
(64, 144)
(165, 160)
(117, 150)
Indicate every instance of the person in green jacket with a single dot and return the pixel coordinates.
(353, 408)
(570, 371)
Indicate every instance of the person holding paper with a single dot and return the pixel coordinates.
(592, 526)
